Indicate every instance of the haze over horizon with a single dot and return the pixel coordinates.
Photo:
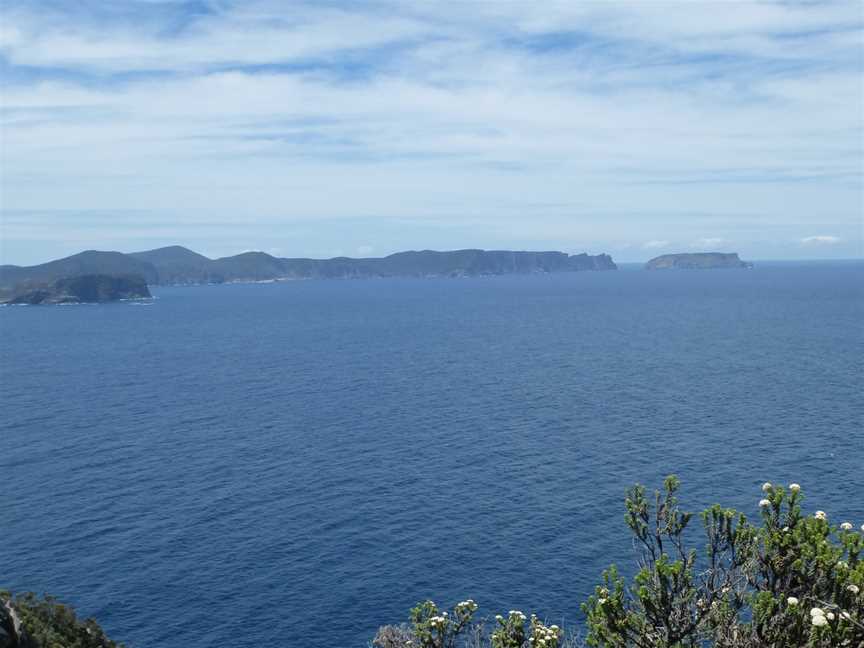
(378, 256)
(337, 129)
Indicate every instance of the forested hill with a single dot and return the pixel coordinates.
(179, 265)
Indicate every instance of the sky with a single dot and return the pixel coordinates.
(363, 128)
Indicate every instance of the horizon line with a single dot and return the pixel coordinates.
(458, 249)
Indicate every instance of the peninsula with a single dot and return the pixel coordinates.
(697, 261)
(179, 265)
(81, 289)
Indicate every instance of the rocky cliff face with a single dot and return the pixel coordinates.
(697, 261)
(82, 289)
(12, 633)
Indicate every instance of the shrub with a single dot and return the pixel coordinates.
(45, 623)
(790, 581)
(794, 580)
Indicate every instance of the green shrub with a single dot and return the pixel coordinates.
(789, 581)
(793, 580)
(49, 624)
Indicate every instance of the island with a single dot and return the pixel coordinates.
(697, 261)
(176, 265)
(81, 289)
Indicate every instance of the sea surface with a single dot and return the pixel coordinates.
(295, 464)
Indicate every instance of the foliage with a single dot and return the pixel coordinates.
(49, 624)
(434, 629)
(431, 628)
(789, 581)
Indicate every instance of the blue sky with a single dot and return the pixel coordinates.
(363, 128)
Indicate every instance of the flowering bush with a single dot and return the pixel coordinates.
(510, 632)
(431, 628)
(434, 629)
(790, 581)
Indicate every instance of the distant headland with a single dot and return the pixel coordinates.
(697, 261)
(80, 289)
(178, 265)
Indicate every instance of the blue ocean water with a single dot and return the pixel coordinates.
(297, 463)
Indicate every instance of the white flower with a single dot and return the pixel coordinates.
(845, 616)
(819, 620)
(764, 502)
(814, 612)
(846, 526)
(792, 600)
(785, 529)
(862, 527)
(601, 601)
(842, 565)
(852, 588)
(766, 487)
(498, 617)
(820, 515)
(554, 628)
(794, 487)
(830, 616)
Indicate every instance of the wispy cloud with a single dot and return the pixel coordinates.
(655, 244)
(823, 239)
(619, 119)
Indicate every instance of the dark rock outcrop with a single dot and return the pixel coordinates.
(12, 633)
(82, 289)
(8, 635)
(697, 261)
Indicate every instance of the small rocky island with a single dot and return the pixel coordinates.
(82, 289)
(697, 261)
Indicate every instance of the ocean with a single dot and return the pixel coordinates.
(298, 463)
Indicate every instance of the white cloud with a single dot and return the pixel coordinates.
(452, 115)
(822, 239)
(654, 245)
(242, 34)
